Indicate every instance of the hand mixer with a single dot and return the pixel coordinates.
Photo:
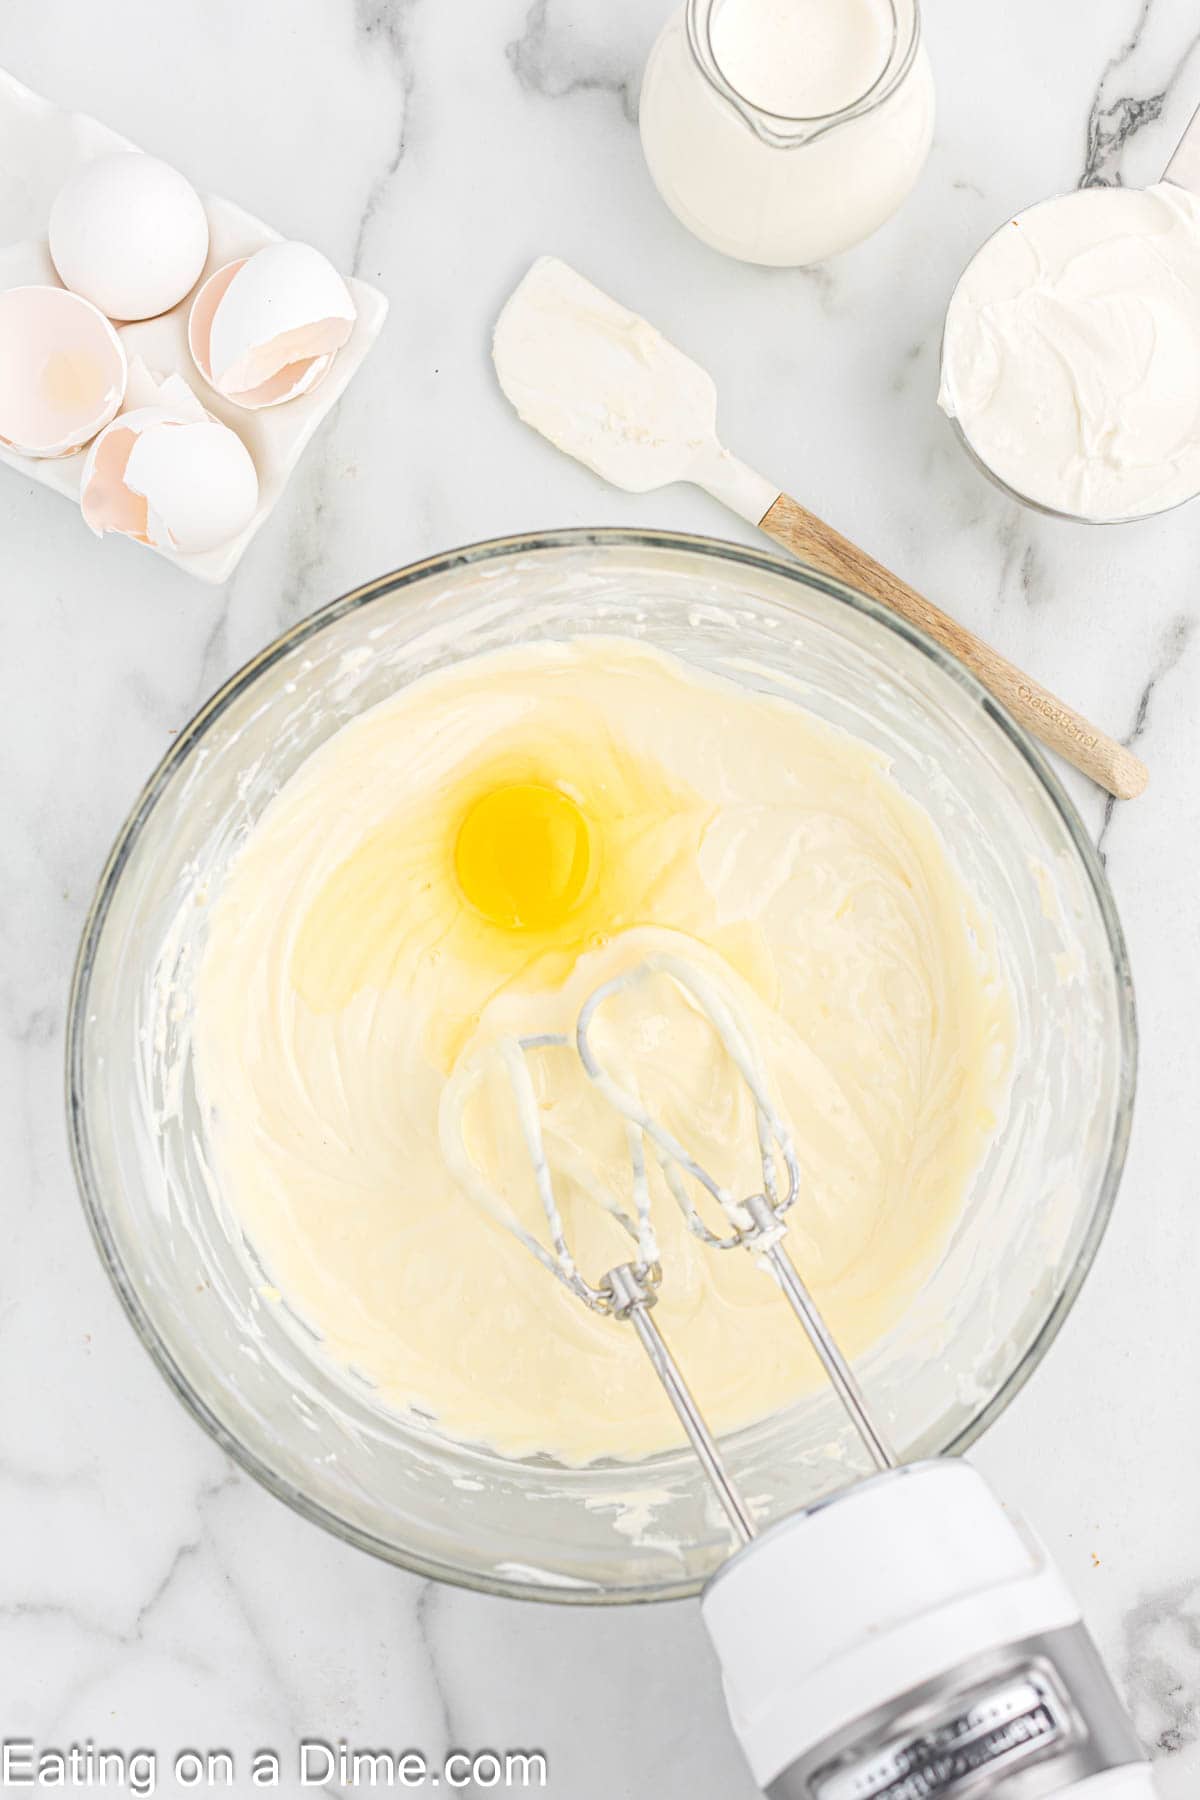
(905, 1638)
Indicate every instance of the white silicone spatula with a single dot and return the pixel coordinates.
(607, 388)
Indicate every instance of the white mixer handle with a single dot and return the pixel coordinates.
(1133, 1782)
(908, 1638)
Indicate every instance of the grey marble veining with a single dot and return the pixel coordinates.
(1122, 103)
(151, 1594)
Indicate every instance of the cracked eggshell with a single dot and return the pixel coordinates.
(170, 475)
(63, 371)
(129, 233)
(265, 329)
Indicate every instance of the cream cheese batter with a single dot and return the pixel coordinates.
(468, 860)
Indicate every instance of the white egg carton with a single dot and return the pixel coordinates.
(40, 145)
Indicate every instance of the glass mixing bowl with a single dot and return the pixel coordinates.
(255, 1375)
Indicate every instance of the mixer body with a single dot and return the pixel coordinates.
(909, 1640)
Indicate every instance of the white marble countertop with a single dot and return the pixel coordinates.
(151, 1594)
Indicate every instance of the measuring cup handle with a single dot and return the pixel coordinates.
(1184, 167)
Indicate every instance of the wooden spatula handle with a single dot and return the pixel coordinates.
(1039, 711)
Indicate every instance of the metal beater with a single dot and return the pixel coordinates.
(905, 1640)
(630, 1290)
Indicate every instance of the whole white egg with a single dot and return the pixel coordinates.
(129, 233)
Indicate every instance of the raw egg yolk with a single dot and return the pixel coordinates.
(523, 856)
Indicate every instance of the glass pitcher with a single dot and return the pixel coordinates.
(765, 186)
